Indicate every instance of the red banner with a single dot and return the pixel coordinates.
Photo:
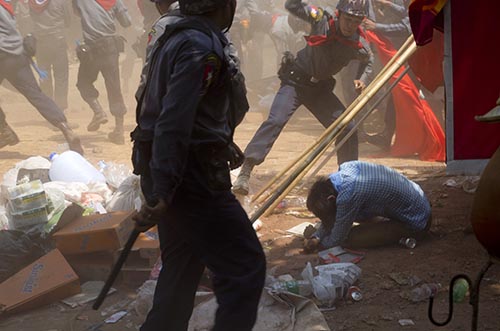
(417, 129)
(425, 15)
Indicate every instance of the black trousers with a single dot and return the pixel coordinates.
(103, 58)
(206, 228)
(16, 69)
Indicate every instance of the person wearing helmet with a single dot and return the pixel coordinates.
(334, 41)
(185, 125)
(99, 53)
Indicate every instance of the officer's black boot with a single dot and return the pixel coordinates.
(99, 116)
(116, 136)
(72, 139)
(241, 185)
(7, 136)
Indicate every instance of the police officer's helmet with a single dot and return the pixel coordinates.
(198, 7)
(353, 7)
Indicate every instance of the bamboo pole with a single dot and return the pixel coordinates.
(302, 156)
(332, 133)
(356, 125)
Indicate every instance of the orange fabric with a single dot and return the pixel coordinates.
(417, 129)
(106, 4)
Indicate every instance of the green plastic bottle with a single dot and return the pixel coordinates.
(460, 290)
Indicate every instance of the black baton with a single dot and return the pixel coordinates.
(116, 269)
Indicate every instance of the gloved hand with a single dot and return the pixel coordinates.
(29, 44)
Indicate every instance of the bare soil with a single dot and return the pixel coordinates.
(450, 249)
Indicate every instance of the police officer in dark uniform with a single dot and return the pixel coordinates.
(15, 55)
(307, 79)
(100, 53)
(192, 101)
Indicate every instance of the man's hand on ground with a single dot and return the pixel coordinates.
(311, 245)
(149, 216)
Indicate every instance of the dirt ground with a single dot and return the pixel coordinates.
(450, 249)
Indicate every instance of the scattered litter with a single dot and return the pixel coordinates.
(338, 254)
(90, 291)
(468, 183)
(406, 322)
(115, 317)
(257, 225)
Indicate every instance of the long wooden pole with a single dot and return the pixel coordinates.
(332, 133)
(303, 155)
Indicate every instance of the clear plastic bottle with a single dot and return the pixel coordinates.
(300, 287)
(424, 292)
(408, 242)
(460, 289)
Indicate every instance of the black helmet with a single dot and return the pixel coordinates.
(198, 7)
(353, 7)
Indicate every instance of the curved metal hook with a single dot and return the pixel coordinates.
(450, 298)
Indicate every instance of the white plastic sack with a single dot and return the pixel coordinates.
(4, 220)
(126, 196)
(144, 300)
(115, 173)
(10, 177)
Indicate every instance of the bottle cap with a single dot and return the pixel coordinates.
(52, 155)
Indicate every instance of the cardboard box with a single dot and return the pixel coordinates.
(95, 233)
(46, 280)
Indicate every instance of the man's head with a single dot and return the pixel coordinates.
(351, 14)
(222, 11)
(322, 201)
(163, 5)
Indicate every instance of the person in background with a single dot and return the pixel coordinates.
(287, 34)
(99, 53)
(182, 151)
(387, 205)
(15, 56)
(307, 79)
(50, 19)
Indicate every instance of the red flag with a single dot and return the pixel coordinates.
(427, 63)
(425, 15)
(417, 129)
(8, 6)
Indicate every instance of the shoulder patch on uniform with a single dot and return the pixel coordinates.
(316, 13)
(210, 71)
(151, 34)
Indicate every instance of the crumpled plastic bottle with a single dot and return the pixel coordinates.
(424, 292)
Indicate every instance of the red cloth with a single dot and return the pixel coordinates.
(425, 15)
(417, 129)
(427, 63)
(476, 77)
(106, 4)
(7, 6)
(38, 5)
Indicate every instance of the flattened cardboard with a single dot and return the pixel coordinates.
(95, 233)
(46, 280)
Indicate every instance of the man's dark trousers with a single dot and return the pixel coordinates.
(16, 69)
(104, 59)
(319, 100)
(208, 228)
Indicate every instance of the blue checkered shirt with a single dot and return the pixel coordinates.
(367, 190)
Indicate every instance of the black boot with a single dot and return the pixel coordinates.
(72, 139)
(116, 136)
(241, 185)
(98, 118)
(7, 136)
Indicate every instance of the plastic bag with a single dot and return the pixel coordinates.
(115, 173)
(125, 197)
(4, 220)
(18, 250)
